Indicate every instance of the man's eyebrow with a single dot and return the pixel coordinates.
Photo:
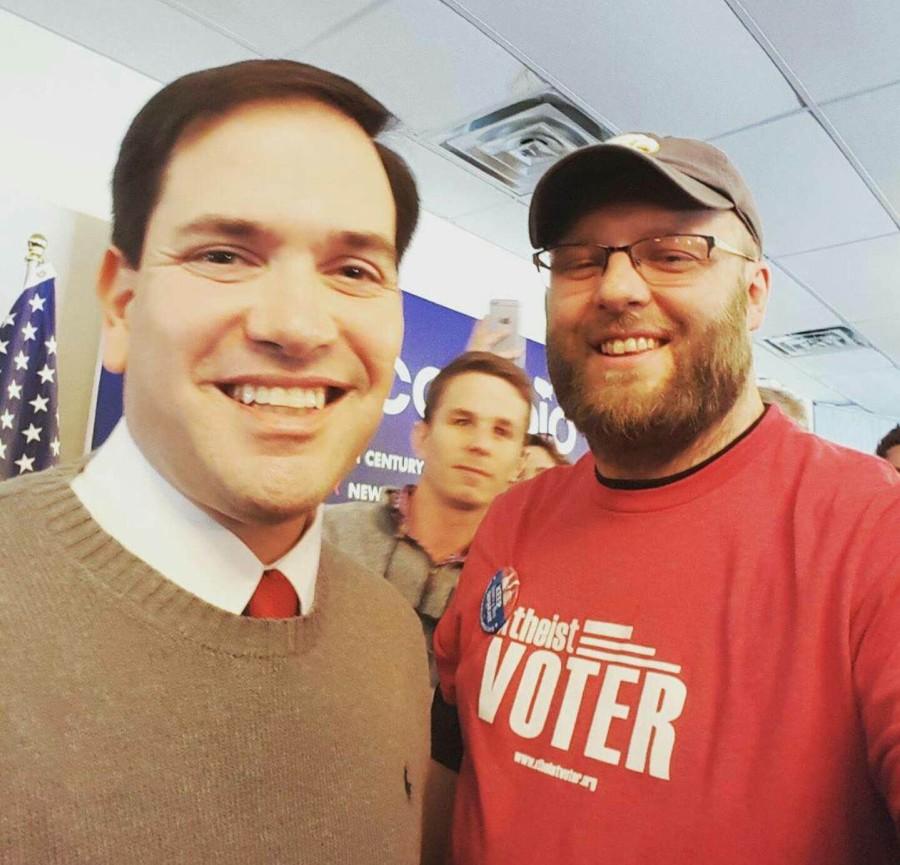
(246, 229)
(365, 242)
(222, 226)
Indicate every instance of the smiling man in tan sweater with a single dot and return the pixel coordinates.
(188, 673)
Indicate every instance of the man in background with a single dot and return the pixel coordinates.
(476, 416)
(683, 649)
(889, 447)
(184, 660)
(540, 454)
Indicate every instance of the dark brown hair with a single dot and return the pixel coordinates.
(476, 361)
(212, 93)
(891, 440)
(546, 443)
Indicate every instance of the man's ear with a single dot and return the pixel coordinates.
(758, 294)
(418, 437)
(115, 290)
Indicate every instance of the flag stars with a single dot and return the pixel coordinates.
(54, 447)
(10, 320)
(25, 464)
(32, 433)
(6, 420)
(14, 390)
(2, 451)
(39, 403)
(37, 303)
(21, 360)
(3, 346)
(51, 345)
(29, 331)
(46, 374)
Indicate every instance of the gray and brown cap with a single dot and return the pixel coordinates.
(702, 172)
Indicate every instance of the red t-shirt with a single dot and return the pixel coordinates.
(702, 672)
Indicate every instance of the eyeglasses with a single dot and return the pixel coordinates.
(671, 259)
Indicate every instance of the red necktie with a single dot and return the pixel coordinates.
(274, 598)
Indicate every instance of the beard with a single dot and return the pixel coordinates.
(638, 428)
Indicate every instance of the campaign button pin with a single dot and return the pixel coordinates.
(499, 599)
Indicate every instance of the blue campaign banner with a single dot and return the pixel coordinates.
(434, 336)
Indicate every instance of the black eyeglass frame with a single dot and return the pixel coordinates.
(712, 242)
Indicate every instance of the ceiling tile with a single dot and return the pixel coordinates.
(833, 46)
(445, 188)
(870, 124)
(506, 226)
(877, 391)
(643, 66)
(148, 36)
(861, 280)
(883, 333)
(779, 369)
(431, 67)
(852, 362)
(792, 308)
(808, 195)
(275, 27)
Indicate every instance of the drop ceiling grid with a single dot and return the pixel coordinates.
(276, 27)
(428, 65)
(145, 35)
(870, 124)
(633, 66)
(834, 47)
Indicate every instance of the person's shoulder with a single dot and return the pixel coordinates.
(362, 586)
(339, 519)
(551, 483)
(840, 467)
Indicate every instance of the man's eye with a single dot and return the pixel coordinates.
(357, 272)
(219, 256)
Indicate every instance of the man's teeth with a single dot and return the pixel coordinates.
(631, 345)
(289, 397)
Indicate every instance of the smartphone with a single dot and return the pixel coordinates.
(504, 315)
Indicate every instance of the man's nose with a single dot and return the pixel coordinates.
(292, 310)
(620, 286)
(481, 439)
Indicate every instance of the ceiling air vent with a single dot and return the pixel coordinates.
(823, 341)
(516, 144)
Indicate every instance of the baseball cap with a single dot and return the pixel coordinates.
(702, 172)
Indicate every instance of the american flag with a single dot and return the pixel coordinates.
(29, 420)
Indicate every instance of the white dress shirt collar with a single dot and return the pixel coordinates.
(134, 504)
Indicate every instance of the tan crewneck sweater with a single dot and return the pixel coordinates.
(140, 724)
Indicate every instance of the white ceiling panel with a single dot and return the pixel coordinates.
(506, 226)
(275, 27)
(835, 47)
(642, 66)
(445, 188)
(856, 361)
(861, 280)
(884, 333)
(427, 64)
(877, 391)
(870, 124)
(808, 195)
(781, 370)
(148, 36)
(792, 308)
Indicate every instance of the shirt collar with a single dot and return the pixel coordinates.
(134, 504)
(399, 502)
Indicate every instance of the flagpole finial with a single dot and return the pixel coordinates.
(37, 245)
